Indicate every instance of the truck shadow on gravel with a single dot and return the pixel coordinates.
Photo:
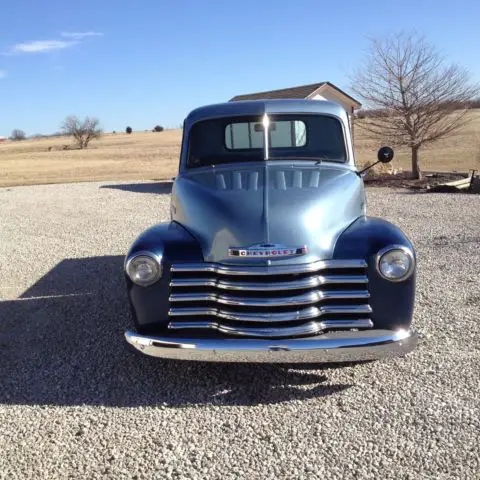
(61, 343)
(158, 188)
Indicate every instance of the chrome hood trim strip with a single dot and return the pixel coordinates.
(270, 270)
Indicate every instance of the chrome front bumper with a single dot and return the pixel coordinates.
(340, 346)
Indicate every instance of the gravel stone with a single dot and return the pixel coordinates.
(76, 402)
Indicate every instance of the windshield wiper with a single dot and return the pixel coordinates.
(313, 159)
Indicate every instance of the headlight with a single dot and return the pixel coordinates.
(395, 263)
(144, 269)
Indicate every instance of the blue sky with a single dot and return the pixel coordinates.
(150, 62)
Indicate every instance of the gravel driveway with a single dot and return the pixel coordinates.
(76, 403)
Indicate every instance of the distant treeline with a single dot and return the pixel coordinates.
(381, 113)
(50, 135)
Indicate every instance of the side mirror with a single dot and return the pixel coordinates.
(385, 154)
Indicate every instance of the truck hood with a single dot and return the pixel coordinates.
(283, 205)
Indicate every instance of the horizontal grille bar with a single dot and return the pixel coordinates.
(304, 283)
(268, 270)
(309, 328)
(304, 314)
(304, 299)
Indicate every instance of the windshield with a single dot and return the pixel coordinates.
(281, 137)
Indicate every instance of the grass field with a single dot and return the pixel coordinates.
(154, 156)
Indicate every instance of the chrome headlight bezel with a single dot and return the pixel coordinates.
(156, 261)
(391, 248)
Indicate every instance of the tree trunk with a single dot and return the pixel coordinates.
(416, 172)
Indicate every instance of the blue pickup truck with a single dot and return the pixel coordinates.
(269, 255)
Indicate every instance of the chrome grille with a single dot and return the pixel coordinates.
(271, 301)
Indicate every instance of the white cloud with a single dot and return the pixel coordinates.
(3, 74)
(80, 35)
(70, 39)
(39, 46)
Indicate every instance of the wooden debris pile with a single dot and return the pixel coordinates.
(470, 184)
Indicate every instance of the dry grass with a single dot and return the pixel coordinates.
(458, 153)
(151, 156)
(139, 156)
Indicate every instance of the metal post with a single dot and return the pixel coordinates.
(352, 112)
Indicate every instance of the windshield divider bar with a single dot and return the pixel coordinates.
(266, 122)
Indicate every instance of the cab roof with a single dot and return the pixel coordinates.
(259, 107)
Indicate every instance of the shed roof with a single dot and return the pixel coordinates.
(302, 91)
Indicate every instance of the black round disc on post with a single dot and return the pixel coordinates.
(385, 154)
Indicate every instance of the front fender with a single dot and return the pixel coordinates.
(173, 243)
(392, 302)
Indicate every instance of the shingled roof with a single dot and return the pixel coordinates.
(302, 91)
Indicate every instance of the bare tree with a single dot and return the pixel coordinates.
(82, 132)
(18, 134)
(419, 98)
